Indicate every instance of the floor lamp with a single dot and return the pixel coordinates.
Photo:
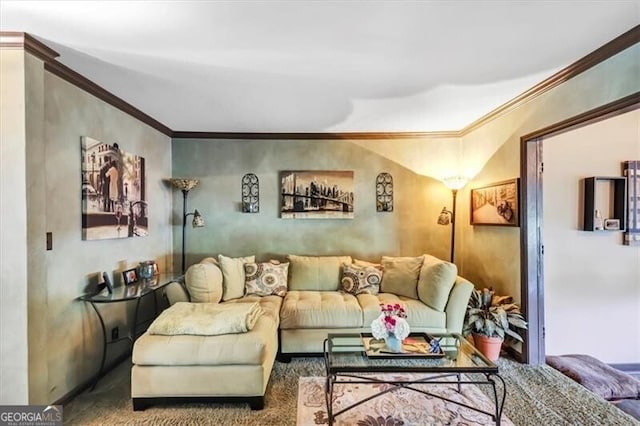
(185, 185)
(449, 216)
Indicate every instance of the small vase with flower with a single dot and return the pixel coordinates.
(391, 326)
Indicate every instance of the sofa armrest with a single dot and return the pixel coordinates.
(176, 292)
(457, 304)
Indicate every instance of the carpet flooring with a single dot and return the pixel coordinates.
(535, 396)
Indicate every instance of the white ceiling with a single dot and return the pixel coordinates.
(319, 66)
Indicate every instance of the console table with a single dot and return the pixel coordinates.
(126, 293)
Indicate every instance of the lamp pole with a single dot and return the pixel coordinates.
(453, 223)
(185, 192)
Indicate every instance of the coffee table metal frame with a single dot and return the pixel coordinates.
(460, 357)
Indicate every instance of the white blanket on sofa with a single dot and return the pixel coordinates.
(206, 319)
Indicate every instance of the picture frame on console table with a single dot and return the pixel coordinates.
(497, 204)
(130, 276)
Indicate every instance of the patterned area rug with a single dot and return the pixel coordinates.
(398, 407)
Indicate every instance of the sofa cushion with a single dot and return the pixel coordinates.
(317, 309)
(360, 279)
(265, 279)
(233, 275)
(436, 281)
(204, 283)
(317, 273)
(400, 275)
(225, 349)
(419, 315)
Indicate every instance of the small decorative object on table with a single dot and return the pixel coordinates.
(434, 346)
(391, 326)
(146, 269)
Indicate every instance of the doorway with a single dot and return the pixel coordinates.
(531, 235)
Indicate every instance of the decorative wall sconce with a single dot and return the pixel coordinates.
(384, 192)
(185, 185)
(449, 216)
(250, 193)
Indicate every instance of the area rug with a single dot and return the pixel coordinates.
(398, 407)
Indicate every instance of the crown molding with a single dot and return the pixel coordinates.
(314, 136)
(601, 54)
(18, 40)
(99, 92)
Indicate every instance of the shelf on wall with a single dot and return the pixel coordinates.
(608, 196)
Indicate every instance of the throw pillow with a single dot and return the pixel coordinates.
(233, 275)
(360, 279)
(359, 262)
(204, 283)
(401, 275)
(318, 273)
(437, 278)
(265, 279)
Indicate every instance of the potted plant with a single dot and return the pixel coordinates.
(491, 319)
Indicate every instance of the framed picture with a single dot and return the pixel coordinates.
(130, 276)
(496, 204)
(114, 196)
(321, 194)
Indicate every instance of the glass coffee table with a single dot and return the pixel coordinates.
(347, 362)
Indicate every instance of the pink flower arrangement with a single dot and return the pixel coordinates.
(391, 322)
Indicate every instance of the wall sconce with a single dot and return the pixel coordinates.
(449, 216)
(384, 192)
(185, 185)
(250, 193)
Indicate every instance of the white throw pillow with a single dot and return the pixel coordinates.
(233, 275)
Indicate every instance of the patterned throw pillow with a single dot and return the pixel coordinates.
(360, 279)
(265, 279)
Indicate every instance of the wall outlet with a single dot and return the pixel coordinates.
(114, 333)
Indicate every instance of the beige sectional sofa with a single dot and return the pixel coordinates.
(237, 366)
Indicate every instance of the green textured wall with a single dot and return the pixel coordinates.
(220, 164)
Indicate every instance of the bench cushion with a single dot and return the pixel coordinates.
(320, 309)
(226, 349)
(595, 375)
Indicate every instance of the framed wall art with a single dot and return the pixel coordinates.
(496, 204)
(320, 194)
(113, 192)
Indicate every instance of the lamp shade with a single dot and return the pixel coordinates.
(184, 184)
(455, 182)
(445, 217)
(198, 220)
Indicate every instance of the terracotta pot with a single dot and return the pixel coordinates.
(488, 346)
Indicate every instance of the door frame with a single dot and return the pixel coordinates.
(531, 242)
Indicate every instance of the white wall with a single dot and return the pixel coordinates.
(591, 280)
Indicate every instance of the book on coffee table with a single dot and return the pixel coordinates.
(412, 347)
